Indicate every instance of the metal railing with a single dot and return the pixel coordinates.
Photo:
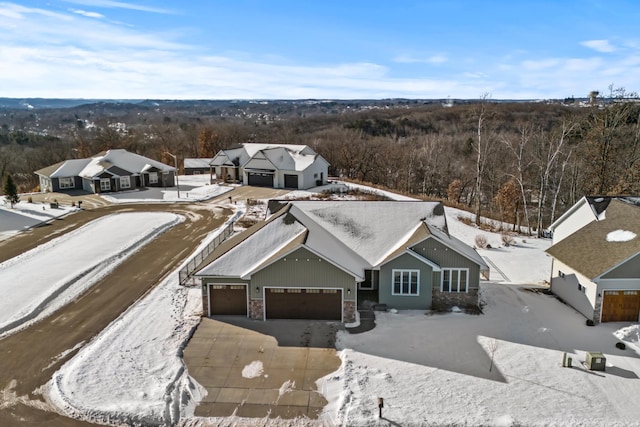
(196, 262)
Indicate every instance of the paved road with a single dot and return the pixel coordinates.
(26, 357)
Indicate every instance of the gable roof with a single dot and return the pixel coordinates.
(352, 235)
(196, 163)
(289, 157)
(592, 250)
(117, 161)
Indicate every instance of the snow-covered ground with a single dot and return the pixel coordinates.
(56, 272)
(25, 215)
(191, 188)
(430, 369)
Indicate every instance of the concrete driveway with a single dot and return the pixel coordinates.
(249, 374)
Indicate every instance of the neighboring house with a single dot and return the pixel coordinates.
(317, 259)
(197, 166)
(596, 258)
(113, 170)
(271, 165)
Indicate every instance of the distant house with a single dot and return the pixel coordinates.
(321, 259)
(596, 258)
(271, 165)
(197, 166)
(113, 170)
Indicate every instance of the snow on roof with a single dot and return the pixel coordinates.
(620, 236)
(71, 167)
(253, 251)
(196, 163)
(370, 228)
(600, 246)
(282, 156)
(252, 148)
(123, 159)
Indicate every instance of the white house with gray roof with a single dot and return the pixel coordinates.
(321, 259)
(596, 258)
(271, 165)
(112, 170)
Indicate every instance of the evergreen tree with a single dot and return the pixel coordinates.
(11, 191)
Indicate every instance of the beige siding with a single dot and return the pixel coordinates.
(448, 258)
(304, 269)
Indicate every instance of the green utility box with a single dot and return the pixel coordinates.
(596, 361)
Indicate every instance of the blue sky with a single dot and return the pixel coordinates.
(347, 49)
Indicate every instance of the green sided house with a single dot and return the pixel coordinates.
(317, 259)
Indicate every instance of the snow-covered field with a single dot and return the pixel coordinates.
(56, 272)
(24, 215)
(430, 369)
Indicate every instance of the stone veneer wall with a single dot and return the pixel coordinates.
(255, 309)
(205, 302)
(349, 311)
(597, 309)
(454, 298)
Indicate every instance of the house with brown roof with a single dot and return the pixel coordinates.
(596, 258)
(322, 259)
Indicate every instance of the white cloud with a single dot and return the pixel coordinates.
(603, 46)
(119, 5)
(87, 14)
(407, 59)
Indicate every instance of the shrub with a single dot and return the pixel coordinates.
(507, 239)
(621, 345)
(481, 241)
(590, 322)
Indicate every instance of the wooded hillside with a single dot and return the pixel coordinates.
(525, 163)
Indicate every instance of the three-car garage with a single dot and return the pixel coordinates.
(277, 302)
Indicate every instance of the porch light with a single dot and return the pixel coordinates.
(348, 291)
(257, 288)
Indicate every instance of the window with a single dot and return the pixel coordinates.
(66, 182)
(125, 182)
(370, 279)
(405, 282)
(105, 184)
(153, 177)
(455, 279)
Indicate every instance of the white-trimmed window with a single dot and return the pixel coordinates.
(66, 182)
(454, 280)
(405, 282)
(153, 177)
(105, 184)
(125, 182)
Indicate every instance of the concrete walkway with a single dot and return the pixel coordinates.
(248, 374)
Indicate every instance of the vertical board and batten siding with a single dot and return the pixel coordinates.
(447, 258)
(410, 302)
(304, 269)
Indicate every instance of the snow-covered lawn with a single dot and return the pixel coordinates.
(45, 278)
(430, 369)
(24, 215)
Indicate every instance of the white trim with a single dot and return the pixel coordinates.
(435, 267)
(66, 178)
(105, 180)
(246, 295)
(401, 271)
(602, 292)
(637, 254)
(126, 178)
(456, 251)
(342, 291)
(450, 270)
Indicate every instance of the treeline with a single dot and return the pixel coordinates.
(524, 163)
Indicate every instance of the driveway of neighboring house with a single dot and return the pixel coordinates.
(258, 369)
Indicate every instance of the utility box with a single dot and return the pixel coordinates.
(596, 361)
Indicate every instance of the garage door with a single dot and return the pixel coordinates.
(319, 304)
(260, 179)
(291, 181)
(228, 299)
(620, 306)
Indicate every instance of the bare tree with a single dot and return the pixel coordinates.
(522, 164)
(482, 146)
